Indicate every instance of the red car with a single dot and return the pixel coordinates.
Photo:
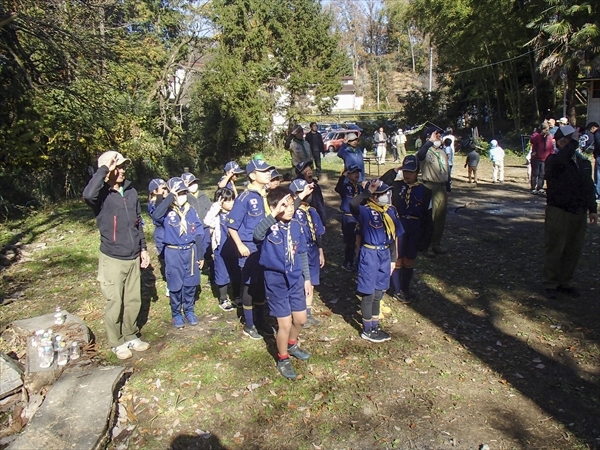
(334, 139)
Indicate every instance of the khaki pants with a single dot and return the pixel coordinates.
(564, 234)
(498, 169)
(439, 201)
(120, 286)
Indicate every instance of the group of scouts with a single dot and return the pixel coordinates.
(266, 243)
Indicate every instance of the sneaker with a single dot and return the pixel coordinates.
(402, 298)
(298, 353)
(167, 293)
(372, 336)
(541, 192)
(138, 345)
(178, 322)
(252, 333)
(122, 351)
(191, 318)
(550, 293)
(286, 369)
(409, 297)
(265, 329)
(226, 305)
(382, 334)
(348, 267)
(439, 250)
(534, 191)
(311, 321)
(570, 290)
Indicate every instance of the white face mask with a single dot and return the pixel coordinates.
(193, 188)
(437, 144)
(383, 199)
(181, 199)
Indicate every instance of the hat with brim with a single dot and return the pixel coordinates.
(176, 185)
(353, 168)
(430, 130)
(276, 175)
(298, 185)
(232, 165)
(564, 132)
(351, 137)
(188, 178)
(259, 165)
(107, 158)
(410, 163)
(382, 188)
(563, 121)
(155, 183)
(303, 165)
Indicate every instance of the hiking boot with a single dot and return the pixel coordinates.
(191, 318)
(438, 250)
(373, 336)
(252, 333)
(311, 321)
(286, 369)
(122, 351)
(550, 293)
(570, 291)
(226, 305)
(178, 322)
(298, 353)
(138, 345)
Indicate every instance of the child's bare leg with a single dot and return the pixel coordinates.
(298, 321)
(283, 335)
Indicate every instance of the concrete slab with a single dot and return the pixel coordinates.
(76, 411)
(11, 376)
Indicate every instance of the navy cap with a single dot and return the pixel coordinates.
(565, 131)
(353, 168)
(259, 165)
(188, 178)
(430, 130)
(232, 165)
(410, 163)
(155, 183)
(382, 188)
(302, 165)
(275, 174)
(298, 185)
(176, 185)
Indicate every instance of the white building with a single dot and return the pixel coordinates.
(347, 99)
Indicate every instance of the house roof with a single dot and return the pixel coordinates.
(348, 89)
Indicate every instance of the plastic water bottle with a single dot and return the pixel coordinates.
(75, 352)
(62, 355)
(46, 352)
(59, 316)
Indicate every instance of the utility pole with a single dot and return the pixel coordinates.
(430, 68)
(412, 52)
(378, 89)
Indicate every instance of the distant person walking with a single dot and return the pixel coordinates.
(497, 157)
(123, 251)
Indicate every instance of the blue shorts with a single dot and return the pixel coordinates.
(348, 229)
(226, 267)
(251, 269)
(283, 298)
(314, 265)
(408, 243)
(373, 270)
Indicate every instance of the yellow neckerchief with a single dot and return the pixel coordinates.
(289, 248)
(409, 191)
(439, 159)
(263, 193)
(390, 226)
(313, 234)
(181, 212)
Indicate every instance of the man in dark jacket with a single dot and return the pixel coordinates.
(123, 251)
(304, 171)
(570, 202)
(317, 148)
(594, 132)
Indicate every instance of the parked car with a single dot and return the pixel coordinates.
(334, 139)
(353, 126)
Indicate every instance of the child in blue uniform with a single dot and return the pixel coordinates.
(224, 251)
(249, 208)
(381, 227)
(276, 179)
(184, 247)
(157, 190)
(286, 275)
(348, 186)
(313, 229)
(412, 199)
(231, 172)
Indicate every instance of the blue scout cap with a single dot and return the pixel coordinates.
(302, 165)
(155, 183)
(176, 185)
(188, 178)
(430, 130)
(381, 188)
(410, 163)
(259, 165)
(298, 185)
(275, 174)
(353, 168)
(232, 165)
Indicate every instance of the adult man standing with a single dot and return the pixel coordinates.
(380, 140)
(570, 204)
(315, 140)
(541, 147)
(299, 148)
(594, 132)
(401, 146)
(435, 170)
(123, 251)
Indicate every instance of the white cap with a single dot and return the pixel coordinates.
(563, 120)
(107, 157)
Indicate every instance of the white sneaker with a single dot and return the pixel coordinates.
(167, 292)
(138, 345)
(122, 351)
